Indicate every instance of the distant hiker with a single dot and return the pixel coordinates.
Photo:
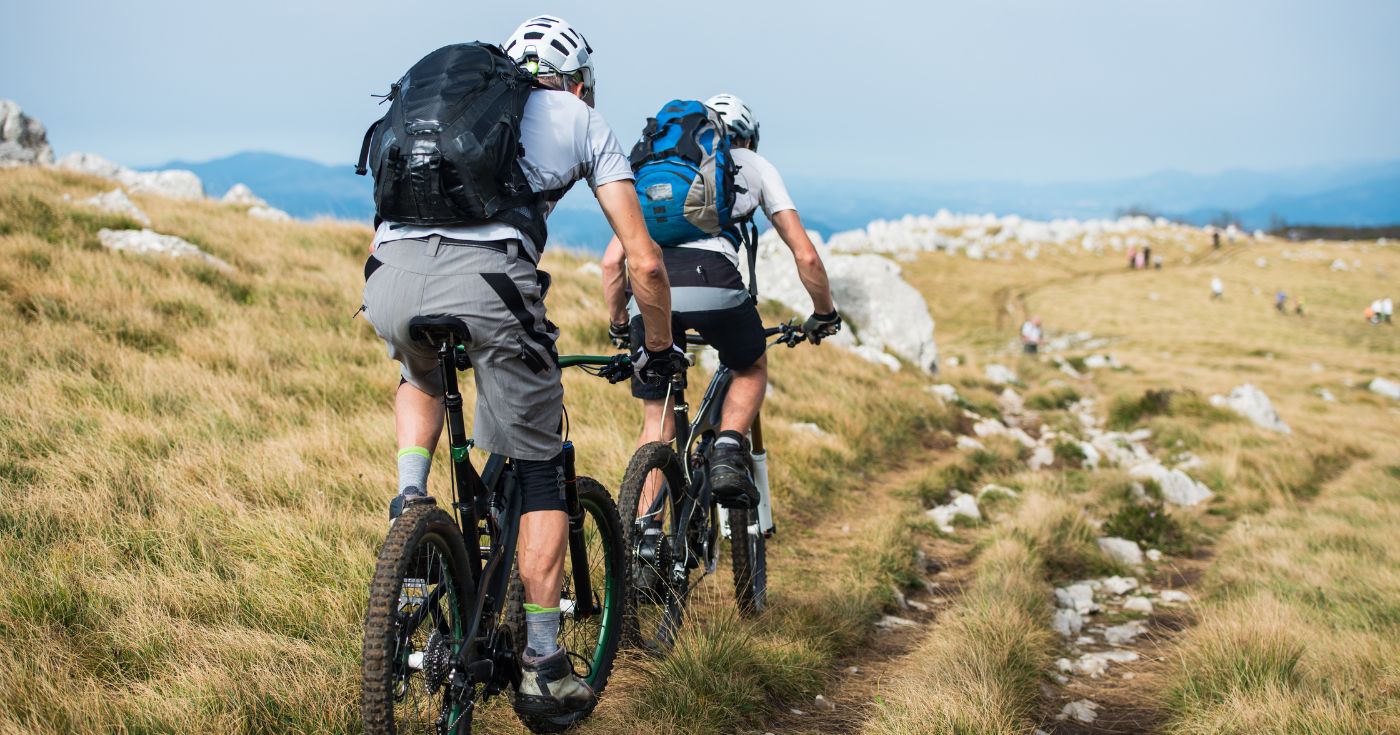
(1132, 257)
(1217, 288)
(1146, 256)
(471, 258)
(1373, 312)
(1157, 263)
(1140, 260)
(1387, 308)
(1298, 306)
(1280, 301)
(1031, 335)
(1215, 239)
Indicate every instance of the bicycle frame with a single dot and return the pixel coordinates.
(488, 505)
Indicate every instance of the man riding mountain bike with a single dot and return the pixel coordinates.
(483, 275)
(708, 296)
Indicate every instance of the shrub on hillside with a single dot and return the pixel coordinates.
(1049, 399)
(1150, 525)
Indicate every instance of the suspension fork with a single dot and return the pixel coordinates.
(584, 606)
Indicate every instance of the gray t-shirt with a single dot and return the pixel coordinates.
(565, 141)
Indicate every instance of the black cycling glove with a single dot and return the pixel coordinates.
(655, 366)
(820, 326)
(620, 334)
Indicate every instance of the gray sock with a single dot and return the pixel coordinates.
(542, 629)
(414, 463)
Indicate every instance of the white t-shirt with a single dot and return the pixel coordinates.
(1030, 333)
(1216, 285)
(565, 140)
(760, 186)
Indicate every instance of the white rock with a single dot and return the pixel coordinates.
(889, 314)
(1091, 455)
(1081, 710)
(807, 427)
(946, 392)
(147, 241)
(1326, 395)
(968, 443)
(117, 202)
(1121, 550)
(1000, 374)
(1251, 403)
(1067, 622)
(1339, 265)
(1065, 665)
(1077, 597)
(1385, 387)
(890, 622)
(174, 184)
(1116, 585)
(1173, 596)
(269, 214)
(1042, 457)
(590, 268)
(989, 427)
(1177, 486)
(996, 489)
(241, 194)
(1138, 604)
(1153, 555)
(1098, 362)
(1010, 401)
(1021, 436)
(1118, 635)
(23, 140)
(962, 505)
(1096, 664)
(824, 704)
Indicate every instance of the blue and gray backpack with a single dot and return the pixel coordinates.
(685, 175)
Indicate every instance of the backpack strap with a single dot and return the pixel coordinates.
(745, 232)
(361, 168)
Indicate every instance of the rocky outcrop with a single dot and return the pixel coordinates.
(174, 183)
(269, 214)
(240, 194)
(150, 242)
(117, 202)
(23, 140)
(1385, 387)
(884, 314)
(1251, 403)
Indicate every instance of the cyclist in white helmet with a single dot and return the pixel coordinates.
(468, 271)
(708, 295)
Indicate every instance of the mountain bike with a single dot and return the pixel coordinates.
(681, 526)
(444, 627)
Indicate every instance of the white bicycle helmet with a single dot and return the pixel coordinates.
(737, 116)
(547, 45)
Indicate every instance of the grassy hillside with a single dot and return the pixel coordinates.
(1294, 559)
(195, 466)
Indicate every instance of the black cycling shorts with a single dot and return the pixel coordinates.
(736, 333)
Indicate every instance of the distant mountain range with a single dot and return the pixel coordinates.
(1348, 195)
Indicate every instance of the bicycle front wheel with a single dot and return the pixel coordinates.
(749, 554)
(415, 627)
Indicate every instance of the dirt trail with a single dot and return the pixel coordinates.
(856, 678)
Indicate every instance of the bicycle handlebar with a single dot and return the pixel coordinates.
(617, 368)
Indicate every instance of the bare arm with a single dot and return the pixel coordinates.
(809, 263)
(644, 267)
(615, 282)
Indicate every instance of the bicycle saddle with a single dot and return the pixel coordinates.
(435, 330)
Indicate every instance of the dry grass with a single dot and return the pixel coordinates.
(196, 465)
(1300, 621)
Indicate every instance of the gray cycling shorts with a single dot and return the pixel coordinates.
(500, 298)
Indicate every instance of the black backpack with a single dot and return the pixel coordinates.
(448, 150)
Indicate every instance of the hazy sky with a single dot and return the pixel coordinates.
(985, 89)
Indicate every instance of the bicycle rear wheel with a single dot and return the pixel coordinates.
(749, 554)
(592, 639)
(415, 627)
(660, 577)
